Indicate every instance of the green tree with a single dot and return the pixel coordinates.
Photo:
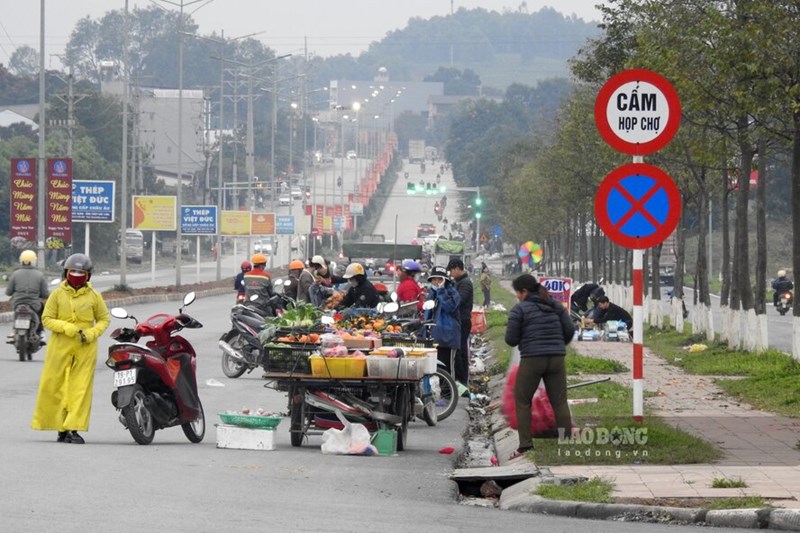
(24, 61)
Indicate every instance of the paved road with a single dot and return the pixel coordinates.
(113, 484)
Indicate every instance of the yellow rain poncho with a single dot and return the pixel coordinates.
(64, 401)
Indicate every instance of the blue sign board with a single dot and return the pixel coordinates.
(338, 223)
(92, 201)
(284, 224)
(199, 219)
(498, 230)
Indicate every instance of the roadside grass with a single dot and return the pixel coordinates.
(769, 380)
(596, 490)
(578, 364)
(608, 435)
(725, 483)
(745, 502)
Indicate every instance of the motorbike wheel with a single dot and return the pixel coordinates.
(140, 421)
(782, 311)
(297, 414)
(22, 347)
(196, 429)
(402, 409)
(448, 400)
(230, 366)
(429, 414)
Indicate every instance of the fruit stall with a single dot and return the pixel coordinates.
(355, 362)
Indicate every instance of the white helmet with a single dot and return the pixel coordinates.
(353, 269)
(781, 273)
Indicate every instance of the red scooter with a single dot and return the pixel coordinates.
(156, 381)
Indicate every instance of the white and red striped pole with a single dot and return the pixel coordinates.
(638, 324)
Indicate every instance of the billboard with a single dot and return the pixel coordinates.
(58, 203)
(262, 224)
(156, 213)
(23, 200)
(234, 223)
(92, 201)
(199, 219)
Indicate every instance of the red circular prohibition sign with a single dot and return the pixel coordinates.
(607, 132)
(631, 203)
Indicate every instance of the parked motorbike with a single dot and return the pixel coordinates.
(437, 394)
(242, 350)
(26, 332)
(785, 302)
(156, 382)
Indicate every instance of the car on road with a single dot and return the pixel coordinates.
(351, 154)
(297, 192)
(285, 199)
(425, 229)
(264, 246)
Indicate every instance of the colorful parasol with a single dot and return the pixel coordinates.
(530, 253)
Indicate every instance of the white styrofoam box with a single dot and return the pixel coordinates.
(239, 438)
(402, 367)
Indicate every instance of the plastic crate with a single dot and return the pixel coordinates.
(338, 367)
(293, 359)
(401, 367)
(405, 341)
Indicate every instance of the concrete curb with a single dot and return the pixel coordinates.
(520, 496)
(141, 299)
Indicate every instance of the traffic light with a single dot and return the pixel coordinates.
(339, 181)
(478, 203)
(411, 188)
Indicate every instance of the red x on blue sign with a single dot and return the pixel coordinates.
(637, 206)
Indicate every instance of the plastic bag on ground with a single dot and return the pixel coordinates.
(543, 419)
(354, 439)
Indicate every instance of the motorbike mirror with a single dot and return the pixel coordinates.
(277, 282)
(327, 320)
(189, 298)
(394, 296)
(380, 307)
(119, 312)
(391, 307)
(287, 282)
(428, 305)
(55, 282)
(254, 297)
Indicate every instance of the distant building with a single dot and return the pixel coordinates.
(158, 127)
(442, 105)
(9, 117)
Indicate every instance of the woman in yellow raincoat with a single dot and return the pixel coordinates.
(77, 316)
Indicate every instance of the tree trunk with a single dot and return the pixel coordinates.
(702, 273)
(655, 285)
(761, 230)
(582, 245)
(725, 270)
(796, 214)
(742, 240)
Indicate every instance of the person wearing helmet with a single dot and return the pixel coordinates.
(258, 282)
(324, 279)
(362, 292)
(76, 315)
(27, 286)
(238, 281)
(780, 285)
(445, 315)
(296, 268)
(409, 290)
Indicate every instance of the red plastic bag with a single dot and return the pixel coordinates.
(543, 419)
(478, 322)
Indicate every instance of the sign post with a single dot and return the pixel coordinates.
(92, 201)
(637, 206)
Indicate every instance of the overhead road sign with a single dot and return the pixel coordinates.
(637, 112)
(637, 206)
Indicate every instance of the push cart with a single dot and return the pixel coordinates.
(380, 401)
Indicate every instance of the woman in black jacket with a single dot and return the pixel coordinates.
(542, 329)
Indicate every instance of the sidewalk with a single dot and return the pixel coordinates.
(758, 447)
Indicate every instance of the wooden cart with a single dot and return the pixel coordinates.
(386, 401)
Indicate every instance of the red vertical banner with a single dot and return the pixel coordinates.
(58, 219)
(319, 216)
(23, 200)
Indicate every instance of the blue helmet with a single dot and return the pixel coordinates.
(411, 266)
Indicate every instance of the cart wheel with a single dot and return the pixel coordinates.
(401, 409)
(296, 410)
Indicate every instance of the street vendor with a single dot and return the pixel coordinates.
(409, 290)
(609, 311)
(361, 292)
(324, 280)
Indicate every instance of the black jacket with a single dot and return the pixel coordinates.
(364, 295)
(539, 327)
(614, 312)
(580, 298)
(467, 294)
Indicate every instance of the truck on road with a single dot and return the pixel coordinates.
(416, 150)
(134, 246)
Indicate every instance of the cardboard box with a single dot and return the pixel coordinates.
(239, 438)
(367, 343)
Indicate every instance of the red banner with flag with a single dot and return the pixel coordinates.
(58, 218)
(23, 200)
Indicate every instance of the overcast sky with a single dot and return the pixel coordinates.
(331, 26)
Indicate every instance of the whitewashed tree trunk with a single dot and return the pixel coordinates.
(724, 331)
(709, 314)
(763, 333)
(796, 337)
(733, 329)
(676, 317)
(751, 341)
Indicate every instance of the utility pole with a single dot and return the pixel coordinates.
(123, 259)
(40, 169)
